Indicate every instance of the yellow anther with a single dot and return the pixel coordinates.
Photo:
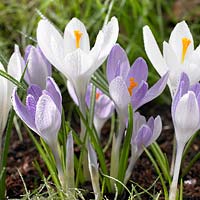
(132, 85)
(78, 35)
(185, 43)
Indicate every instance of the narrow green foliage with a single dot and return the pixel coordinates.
(5, 153)
(159, 173)
(123, 162)
(13, 80)
(162, 161)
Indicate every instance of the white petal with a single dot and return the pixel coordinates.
(4, 101)
(153, 51)
(186, 119)
(120, 95)
(16, 64)
(180, 31)
(51, 43)
(110, 31)
(69, 37)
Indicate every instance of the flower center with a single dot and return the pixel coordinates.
(97, 95)
(132, 85)
(78, 35)
(185, 43)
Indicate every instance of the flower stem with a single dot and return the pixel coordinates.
(61, 176)
(114, 167)
(173, 187)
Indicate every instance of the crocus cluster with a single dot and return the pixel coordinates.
(127, 88)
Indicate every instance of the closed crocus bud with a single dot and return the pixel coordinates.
(144, 134)
(38, 66)
(42, 114)
(94, 171)
(186, 118)
(14, 68)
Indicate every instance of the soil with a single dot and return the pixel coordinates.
(23, 154)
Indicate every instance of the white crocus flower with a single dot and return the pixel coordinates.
(178, 55)
(14, 68)
(71, 54)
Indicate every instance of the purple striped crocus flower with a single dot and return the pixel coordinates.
(144, 134)
(129, 84)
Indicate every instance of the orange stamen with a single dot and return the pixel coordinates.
(132, 85)
(78, 35)
(185, 42)
(97, 95)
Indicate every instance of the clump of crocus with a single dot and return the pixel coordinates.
(186, 119)
(128, 85)
(178, 55)
(38, 67)
(42, 113)
(71, 54)
(144, 134)
(104, 106)
(14, 69)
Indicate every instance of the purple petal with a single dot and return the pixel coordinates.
(37, 69)
(27, 52)
(138, 95)
(54, 90)
(182, 89)
(150, 123)
(22, 111)
(47, 119)
(104, 107)
(195, 88)
(35, 91)
(31, 106)
(48, 64)
(138, 71)
(157, 130)
(138, 121)
(117, 64)
(143, 136)
(155, 90)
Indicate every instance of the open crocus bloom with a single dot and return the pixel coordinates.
(186, 109)
(144, 134)
(38, 67)
(42, 112)
(178, 55)
(72, 55)
(104, 106)
(129, 84)
(15, 66)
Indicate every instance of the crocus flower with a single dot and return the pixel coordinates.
(42, 114)
(14, 69)
(104, 106)
(38, 67)
(129, 84)
(178, 55)
(144, 134)
(186, 118)
(72, 55)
